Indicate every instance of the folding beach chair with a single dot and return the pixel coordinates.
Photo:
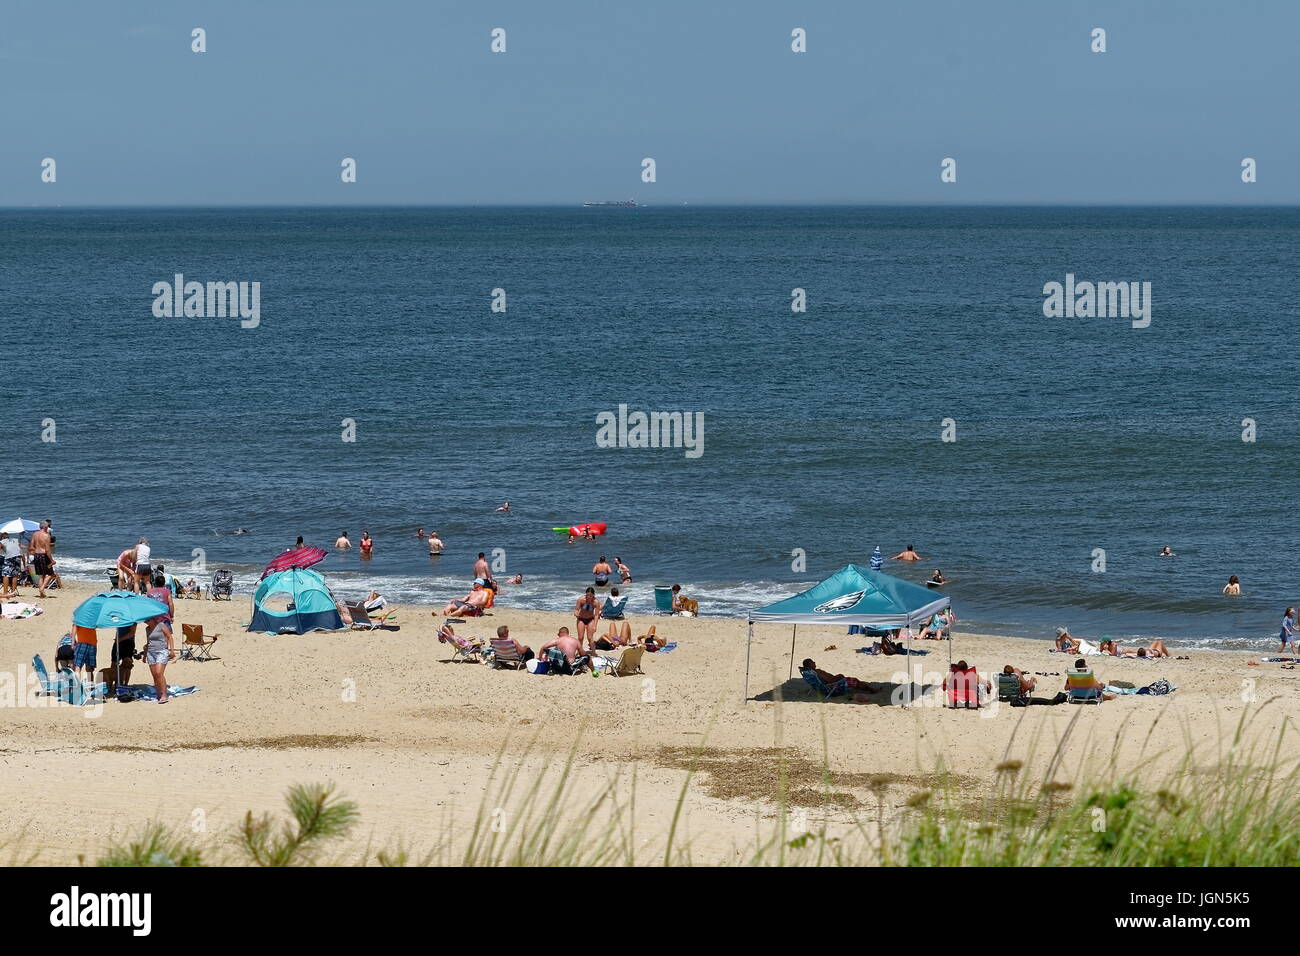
(827, 691)
(962, 688)
(505, 654)
(197, 646)
(462, 649)
(67, 686)
(663, 599)
(627, 663)
(223, 584)
(361, 620)
(1080, 686)
(1009, 688)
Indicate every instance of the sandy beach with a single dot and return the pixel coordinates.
(413, 738)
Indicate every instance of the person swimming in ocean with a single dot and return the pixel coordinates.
(1233, 587)
(505, 508)
(908, 554)
(937, 578)
(1165, 552)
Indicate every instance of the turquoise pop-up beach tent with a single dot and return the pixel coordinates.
(294, 602)
(852, 595)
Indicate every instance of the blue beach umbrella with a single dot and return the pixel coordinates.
(116, 609)
(877, 559)
(20, 526)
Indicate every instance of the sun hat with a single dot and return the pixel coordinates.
(1060, 631)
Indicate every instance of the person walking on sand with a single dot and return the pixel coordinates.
(342, 542)
(1287, 634)
(38, 550)
(908, 554)
(435, 544)
(1233, 587)
(158, 652)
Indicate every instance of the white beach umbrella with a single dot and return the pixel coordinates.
(20, 526)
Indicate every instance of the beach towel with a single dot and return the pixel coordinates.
(670, 646)
(18, 611)
(148, 692)
(1279, 660)
(1117, 689)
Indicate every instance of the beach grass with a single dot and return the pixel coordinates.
(1237, 810)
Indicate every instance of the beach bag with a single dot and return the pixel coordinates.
(1158, 688)
(536, 666)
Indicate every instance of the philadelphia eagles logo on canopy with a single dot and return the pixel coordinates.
(841, 603)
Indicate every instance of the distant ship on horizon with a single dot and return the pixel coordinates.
(613, 202)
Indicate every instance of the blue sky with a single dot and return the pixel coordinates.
(711, 90)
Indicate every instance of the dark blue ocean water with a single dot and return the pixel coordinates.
(822, 430)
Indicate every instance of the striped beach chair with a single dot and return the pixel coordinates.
(1082, 687)
(505, 654)
(462, 649)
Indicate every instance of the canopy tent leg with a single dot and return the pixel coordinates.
(749, 643)
(793, 631)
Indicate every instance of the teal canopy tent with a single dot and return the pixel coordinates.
(294, 602)
(852, 595)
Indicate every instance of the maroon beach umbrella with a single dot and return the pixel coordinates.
(296, 558)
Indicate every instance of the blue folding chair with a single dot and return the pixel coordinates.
(841, 686)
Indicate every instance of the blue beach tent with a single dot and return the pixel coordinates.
(852, 595)
(294, 602)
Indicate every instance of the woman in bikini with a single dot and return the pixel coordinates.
(587, 610)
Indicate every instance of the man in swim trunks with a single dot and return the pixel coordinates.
(602, 571)
(435, 543)
(471, 605)
(342, 542)
(561, 650)
(587, 610)
(123, 654)
(481, 569)
(38, 549)
(908, 554)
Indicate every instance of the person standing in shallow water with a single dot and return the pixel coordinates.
(367, 545)
(1233, 587)
(908, 554)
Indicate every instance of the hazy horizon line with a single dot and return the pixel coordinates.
(770, 204)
